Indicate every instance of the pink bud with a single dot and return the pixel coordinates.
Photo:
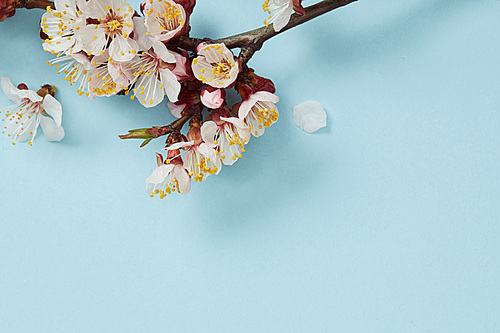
(212, 97)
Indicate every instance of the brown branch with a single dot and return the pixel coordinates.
(31, 4)
(254, 39)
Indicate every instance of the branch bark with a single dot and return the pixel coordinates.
(31, 4)
(256, 38)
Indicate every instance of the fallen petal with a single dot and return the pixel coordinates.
(309, 116)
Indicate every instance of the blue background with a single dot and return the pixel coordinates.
(385, 221)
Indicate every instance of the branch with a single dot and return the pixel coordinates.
(252, 41)
(31, 4)
(259, 36)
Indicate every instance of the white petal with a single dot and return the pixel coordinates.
(235, 121)
(182, 178)
(162, 51)
(208, 132)
(309, 116)
(171, 86)
(121, 49)
(53, 108)
(9, 90)
(179, 145)
(15, 94)
(282, 18)
(51, 131)
(152, 95)
(140, 34)
(87, 34)
(159, 174)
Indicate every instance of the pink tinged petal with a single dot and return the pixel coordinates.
(122, 49)
(182, 178)
(179, 145)
(212, 99)
(181, 67)
(91, 44)
(162, 51)
(51, 131)
(171, 86)
(309, 116)
(53, 108)
(209, 131)
(176, 110)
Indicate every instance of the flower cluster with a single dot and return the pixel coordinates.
(106, 48)
(220, 137)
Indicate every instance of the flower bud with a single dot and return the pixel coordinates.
(212, 97)
(297, 7)
(249, 83)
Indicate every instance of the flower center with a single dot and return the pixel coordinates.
(113, 25)
(171, 19)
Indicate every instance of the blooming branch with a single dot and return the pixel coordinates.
(252, 41)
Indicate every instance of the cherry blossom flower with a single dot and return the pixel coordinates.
(168, 177)
(280, 12)
(228, 134)
(60, 26)
(309, 116)
(31, 109)
(259, 111)
(215, 66)
(152, 70)
(77, 68)
(165, 19)
(212, 98)
(7, 9)
(107, 22)
(108, 77)
(200, 160)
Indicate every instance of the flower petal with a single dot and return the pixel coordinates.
(309, 116)
(183, 179)
(51, 131)
(171, 86)
(53, 108)
(179, 145)
(209, 132)
(162, 51)
(123, 49)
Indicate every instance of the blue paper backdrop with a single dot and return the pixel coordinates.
(385, 221)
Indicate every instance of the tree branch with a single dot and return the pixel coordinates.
(257, 37)
(252, 41)
(31, 4)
